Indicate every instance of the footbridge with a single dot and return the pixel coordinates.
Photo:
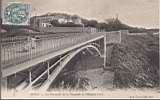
(20, 56)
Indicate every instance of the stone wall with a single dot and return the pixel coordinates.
(68, 29)
(113, 37)
(124, 34)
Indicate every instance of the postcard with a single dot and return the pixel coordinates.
(79, 49)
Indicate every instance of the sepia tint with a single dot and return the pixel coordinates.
(79, 49)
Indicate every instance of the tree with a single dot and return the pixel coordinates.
(92, 23)
(55, 22)
(102, 26)
(89, 23)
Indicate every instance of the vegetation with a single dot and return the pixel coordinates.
(112, 24)
(136, 62)
(71, 80)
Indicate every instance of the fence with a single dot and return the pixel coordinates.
(17, 52)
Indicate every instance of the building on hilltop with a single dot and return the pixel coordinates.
(45, 20)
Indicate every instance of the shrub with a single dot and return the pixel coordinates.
(136, 62)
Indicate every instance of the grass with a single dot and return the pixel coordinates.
(136, 62)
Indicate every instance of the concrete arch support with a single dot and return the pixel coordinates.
(55, 73)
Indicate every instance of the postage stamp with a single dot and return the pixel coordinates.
(16, 14)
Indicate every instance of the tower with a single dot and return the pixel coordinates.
(117, 16)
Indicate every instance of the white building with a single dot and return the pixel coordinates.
(46, 24)
(44, 20)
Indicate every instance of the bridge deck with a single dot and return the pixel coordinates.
(15, 58)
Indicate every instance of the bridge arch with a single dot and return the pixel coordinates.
(55, 73)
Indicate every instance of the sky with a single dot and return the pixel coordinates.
(138, 13)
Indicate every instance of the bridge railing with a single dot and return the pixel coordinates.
(14, 53)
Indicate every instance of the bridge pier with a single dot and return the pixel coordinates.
(109, 54)
(30, 77)
(4, 84)
(105, 51)
(4, 87)
(48, 70)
